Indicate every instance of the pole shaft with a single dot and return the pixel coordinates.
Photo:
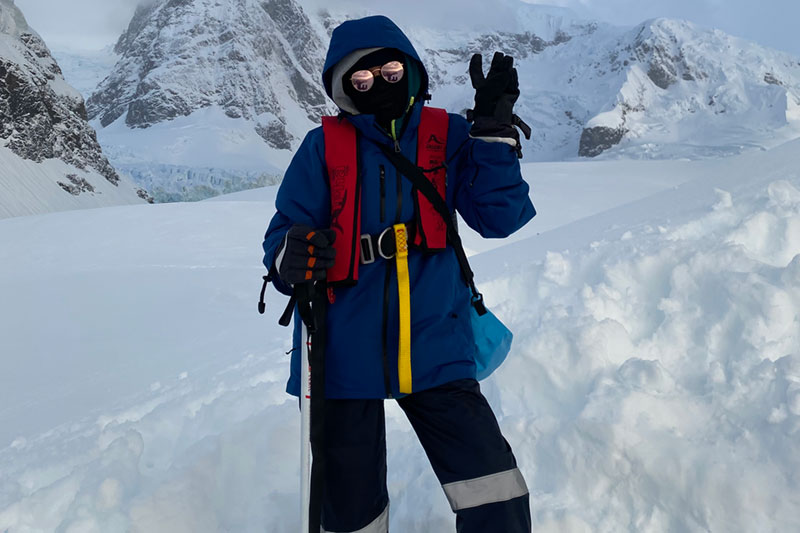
(305, 433)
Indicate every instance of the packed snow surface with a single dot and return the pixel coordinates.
(653, 385)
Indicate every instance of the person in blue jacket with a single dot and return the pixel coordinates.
(376, 78)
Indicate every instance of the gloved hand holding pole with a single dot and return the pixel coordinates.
(305, 254)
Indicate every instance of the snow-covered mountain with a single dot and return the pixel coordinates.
(665, 88)
(685, 91)
(215, 95)
(50, 159)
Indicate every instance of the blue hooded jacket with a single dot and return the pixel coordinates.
(484, 185)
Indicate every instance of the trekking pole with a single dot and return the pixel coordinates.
(305, 432)
(312, 306)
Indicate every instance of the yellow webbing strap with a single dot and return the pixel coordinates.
(404, 293)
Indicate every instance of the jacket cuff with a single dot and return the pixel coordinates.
(507, 140)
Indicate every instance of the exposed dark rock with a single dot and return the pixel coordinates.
(306, 91)
(144, 195)
(37, 123)
(156, 105)
(770, 78)
(137, 24)
(596, 140)
(275, 135)
(662, 73)
(76, 185)
(519, 45)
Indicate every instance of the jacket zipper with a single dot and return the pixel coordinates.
(387, 278)
(383, 193)
(394, 137)
(399, 212)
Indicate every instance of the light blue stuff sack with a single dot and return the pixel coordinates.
(492, 342)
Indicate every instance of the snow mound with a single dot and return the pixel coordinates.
(659, 372)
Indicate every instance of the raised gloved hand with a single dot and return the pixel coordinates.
(495, 95)
(305, 254)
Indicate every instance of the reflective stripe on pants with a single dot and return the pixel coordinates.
(463, 442)
(461, 437)
(493, 488)
(379, 525)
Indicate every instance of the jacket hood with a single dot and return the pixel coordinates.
(354, 39)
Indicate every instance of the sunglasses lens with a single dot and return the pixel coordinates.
(362, 80)
(392, 71)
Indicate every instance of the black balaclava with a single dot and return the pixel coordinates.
(387, 101)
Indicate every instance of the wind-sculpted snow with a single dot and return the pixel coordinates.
(658, 381)
(653, 384)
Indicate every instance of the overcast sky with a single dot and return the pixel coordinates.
(92, 24)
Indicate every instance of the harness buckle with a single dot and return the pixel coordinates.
(367, 253)
(387, 231)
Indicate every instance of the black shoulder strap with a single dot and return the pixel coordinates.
(423, 185)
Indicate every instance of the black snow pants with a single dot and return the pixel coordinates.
(466, 449)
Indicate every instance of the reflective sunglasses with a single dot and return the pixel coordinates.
(363, 80)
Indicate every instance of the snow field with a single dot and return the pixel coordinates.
(653, 385)
(162, 465)
(195, 157)
(39, 192)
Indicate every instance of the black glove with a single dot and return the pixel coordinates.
(495, 96)
(305, 254)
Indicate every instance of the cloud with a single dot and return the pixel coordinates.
(78, 24)
(768, 22)
(92, 24)
(445, 14)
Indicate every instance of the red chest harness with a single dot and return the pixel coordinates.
(341, 157)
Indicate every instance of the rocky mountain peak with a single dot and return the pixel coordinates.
(255, 59)
(50, 159)
(682, 85)
(41, 116)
